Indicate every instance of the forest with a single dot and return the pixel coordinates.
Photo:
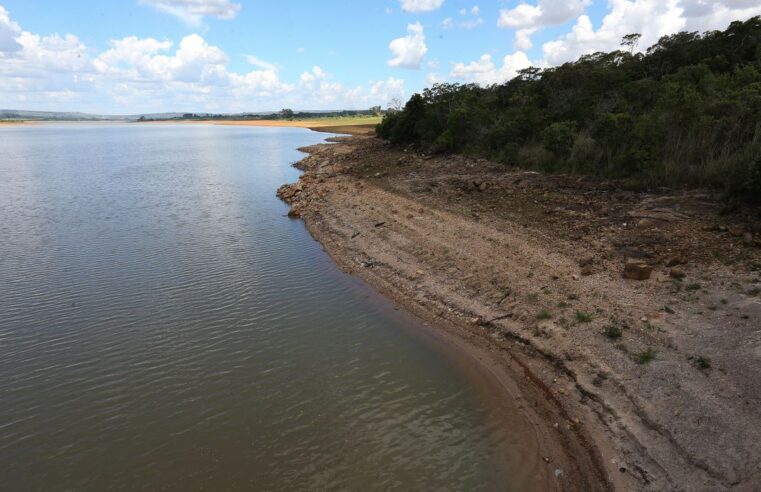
(685, 113)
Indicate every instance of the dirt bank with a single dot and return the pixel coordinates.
(635, 384)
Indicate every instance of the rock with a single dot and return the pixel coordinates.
(636, 270)
(676, 273)
(748, 238)
(677, 260)
(483, 186)
(736, 230)
(588, 260)
(587, 270)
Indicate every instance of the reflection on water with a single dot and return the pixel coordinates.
(163, 326)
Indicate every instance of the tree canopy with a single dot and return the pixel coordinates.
(687, 112)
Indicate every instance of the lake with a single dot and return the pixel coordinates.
(165, 326)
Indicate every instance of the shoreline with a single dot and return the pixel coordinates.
(559, 447)
(608, 422)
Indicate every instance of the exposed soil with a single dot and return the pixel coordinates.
(637, 384)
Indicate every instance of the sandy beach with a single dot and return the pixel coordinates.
(648, 384)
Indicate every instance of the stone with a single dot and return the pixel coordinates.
(587, 260)
(636, 270)
(587, 270)
(677, 260)
(676, 273)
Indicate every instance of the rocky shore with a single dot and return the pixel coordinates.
(627, 322)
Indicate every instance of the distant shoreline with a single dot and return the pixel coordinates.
(352, 126)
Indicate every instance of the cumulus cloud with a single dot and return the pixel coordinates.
(651, 18)
(527, 19)
(323, 92)
(8, 32)
(420, 5)
(192, 12)
(701, 15)
(484, 71)
(409, 50)
(147, 75)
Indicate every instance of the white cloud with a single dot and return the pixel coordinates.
(651, 18)
(472, 23)
(132, 75)
(259, 63)
(469, 23)
(527, 19)
(323, 93)
(420, 5)
(702, 15)
(484, 71)
(447, 23)
(8, 32)
(544, 13)
(192, 12)
(409, 50)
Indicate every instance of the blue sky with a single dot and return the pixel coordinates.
(128, 56)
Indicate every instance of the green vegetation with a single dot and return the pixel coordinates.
(543, 314)
(583, 317)
(644, 357)
(685, 113)
(612, 331)
(701, 362)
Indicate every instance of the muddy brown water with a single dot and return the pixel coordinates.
(164, 326)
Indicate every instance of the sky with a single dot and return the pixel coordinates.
(145, 56)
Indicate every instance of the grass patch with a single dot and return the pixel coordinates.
(701, 362)
(693, 287)
(544, 314)
(583, 317)
(644, 357)
(612, 331)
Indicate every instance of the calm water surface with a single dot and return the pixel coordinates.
(163, 326)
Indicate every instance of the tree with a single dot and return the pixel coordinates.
(395, 104)
(631, 41)
(376, 110)
(285, 113)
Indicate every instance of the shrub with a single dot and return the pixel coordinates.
(612, 331)
(644, 357)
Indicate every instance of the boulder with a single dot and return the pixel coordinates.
(677, 260)
(636, 270)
